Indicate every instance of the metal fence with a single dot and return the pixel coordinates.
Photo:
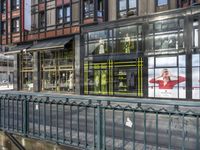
(102, 123)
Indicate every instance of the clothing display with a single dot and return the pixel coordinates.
(127, 44)
(101, 46)
(71, 81)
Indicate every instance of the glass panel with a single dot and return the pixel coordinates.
(58, 70)
(151, 85)
(125, 81)
(75, 12)
(167, 82)
(166, 42)
(196, 37)
(126, 39)
(122, 5)
(195, 83)
(132, 4)
(162, 2)
(166, 62)
(166, 25)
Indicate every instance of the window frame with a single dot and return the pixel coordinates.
(157, 1)
(3, 25)
(128, 11)
(3, 7)
(41, 22)
(90, 12)
(16, 4)
(15, 25)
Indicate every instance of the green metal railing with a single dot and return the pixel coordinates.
(101, 123)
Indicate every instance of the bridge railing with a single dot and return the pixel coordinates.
(90, 122)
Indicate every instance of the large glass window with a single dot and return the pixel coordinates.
(60, 15)
(88, 8)
(98, 43)
(58, 71)
(196, 34)
(162, 2)
(67, 14)
(196, 76)
(15, 4)
(127, 8)
(165, 37)
(167, 76)
(42, 19)
(15, 25)
(3, 6)
(3, 28)
(64, 16)
(113, 78)
(27, 62)
(127, 39)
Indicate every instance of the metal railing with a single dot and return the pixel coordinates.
(90, 122)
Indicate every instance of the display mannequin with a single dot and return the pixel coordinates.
(71, 81)
(96, 82)
(101, 46)
(127, 43)
(103, 82)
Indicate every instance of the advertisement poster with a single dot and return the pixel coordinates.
(167, 77)
(195, 76)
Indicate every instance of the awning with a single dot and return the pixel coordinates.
(50, 44)
(17, 48)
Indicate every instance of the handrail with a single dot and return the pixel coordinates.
(92, 122)
(109, 99)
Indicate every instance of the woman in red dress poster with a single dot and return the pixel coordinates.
(165, 81)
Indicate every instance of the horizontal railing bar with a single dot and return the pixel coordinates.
(106, 99)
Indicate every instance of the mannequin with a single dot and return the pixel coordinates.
(101, 46)
(71, 81)
(127, 43)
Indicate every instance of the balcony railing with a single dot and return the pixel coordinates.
(90, 122)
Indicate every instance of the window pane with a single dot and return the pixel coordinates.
(132, 4)
(162, 2)
(122, 4)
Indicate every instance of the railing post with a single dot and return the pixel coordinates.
(99, 127)
(25, 115)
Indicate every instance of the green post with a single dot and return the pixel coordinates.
(25, 115)
(99, 127)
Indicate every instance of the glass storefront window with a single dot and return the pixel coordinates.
(27, 62)
(126, 39)
(98, 43)
(196, 34)
(196, 76)
(167, 76)
(58, 71)
(120, 78)
(165, 37)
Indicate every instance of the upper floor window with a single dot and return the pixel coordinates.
(41, 1)
(41, 19)
(67, 14)
(127, 7)
(15, 25)
(88, 8)
(162, 2)
(59, 15)
(3, 6)
(64, 15)
(15, 4)
(3, 28)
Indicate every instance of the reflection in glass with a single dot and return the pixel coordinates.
(58, 70)
(196, 76)
(27, 62)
